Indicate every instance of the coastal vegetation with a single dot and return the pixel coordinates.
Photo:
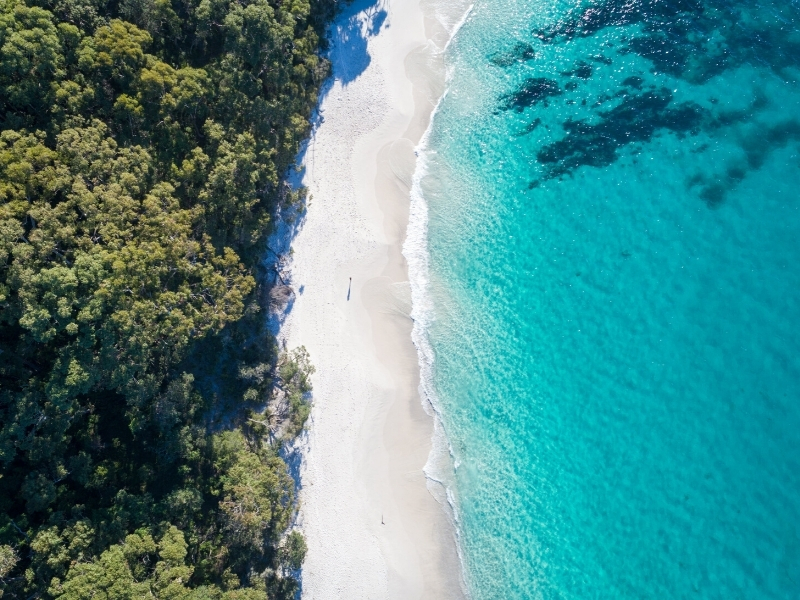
(143, 404)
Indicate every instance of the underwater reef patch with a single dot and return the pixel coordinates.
(521, 52)
(532, 91)
(635, 119)
(690, 39)
(530, 127)
(757, 143)
(633, 82)
(582, 70)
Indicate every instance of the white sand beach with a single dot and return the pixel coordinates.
(372, 527)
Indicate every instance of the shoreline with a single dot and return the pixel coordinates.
(373, 528)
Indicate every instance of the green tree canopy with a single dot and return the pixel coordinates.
(142, 149)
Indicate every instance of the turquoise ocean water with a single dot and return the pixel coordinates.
(613, 230)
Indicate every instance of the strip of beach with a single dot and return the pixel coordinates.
(373, 528)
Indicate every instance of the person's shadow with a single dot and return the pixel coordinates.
(348, 289)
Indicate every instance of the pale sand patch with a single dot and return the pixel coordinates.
(373, 529)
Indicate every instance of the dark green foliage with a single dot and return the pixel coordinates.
(294, 550)
(294, 370)
(142, 144)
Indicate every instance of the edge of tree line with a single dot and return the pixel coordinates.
(143, 403)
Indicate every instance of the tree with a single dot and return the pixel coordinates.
(142, 149)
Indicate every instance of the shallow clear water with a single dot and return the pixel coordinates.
(613, 232)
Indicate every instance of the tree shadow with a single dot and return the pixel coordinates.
(277, 258)
(349, 35)
(349, 55)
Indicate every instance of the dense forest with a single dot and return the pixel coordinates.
(143, 404)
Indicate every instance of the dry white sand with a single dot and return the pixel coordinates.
(373, 529)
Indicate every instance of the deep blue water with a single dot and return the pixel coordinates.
(614, 215)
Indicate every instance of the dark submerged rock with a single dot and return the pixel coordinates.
(599, 58)
(758, 144)
(689, 39)
(530, 127)
(635, 119)
(633, 82)
(521, 52)
(532, 91)
(582, 70)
